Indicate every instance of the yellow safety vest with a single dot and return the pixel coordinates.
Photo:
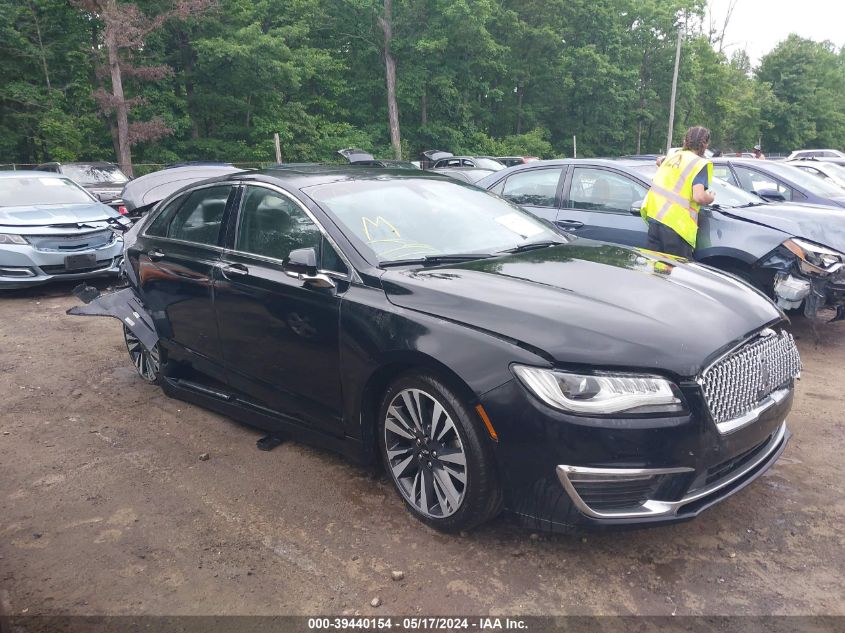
(669, 201)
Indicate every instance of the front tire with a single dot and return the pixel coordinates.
(147, 362)
(436, 455)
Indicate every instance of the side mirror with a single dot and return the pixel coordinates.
(302, 264)
(771, 195)
(635, 207)
(302, 261)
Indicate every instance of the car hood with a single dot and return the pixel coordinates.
(53, 214)
(819, 224)
(591, 303)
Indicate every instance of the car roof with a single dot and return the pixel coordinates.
(30, 173)
(308, 176)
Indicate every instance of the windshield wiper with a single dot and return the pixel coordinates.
(433, 260)
(750, 204)
(532, 246)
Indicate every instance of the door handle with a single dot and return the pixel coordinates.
(155, 254)
(570, 224)
(234, 270)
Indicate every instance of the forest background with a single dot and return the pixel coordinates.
(162, 81)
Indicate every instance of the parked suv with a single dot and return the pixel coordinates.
(794, 253)
(487, 359)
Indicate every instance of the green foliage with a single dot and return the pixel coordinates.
(500, 77)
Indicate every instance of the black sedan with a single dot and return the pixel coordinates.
(486, 359)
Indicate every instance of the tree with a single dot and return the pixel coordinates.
(125, 29)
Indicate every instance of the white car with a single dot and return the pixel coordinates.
(816, 153)
(51, 228)
(830, 172)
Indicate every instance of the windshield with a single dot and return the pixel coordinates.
(19, 192)
(404, 218)
(95, 174)
(809, 182)
(489, 163)
(727, 195)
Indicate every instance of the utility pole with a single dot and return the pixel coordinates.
(278, 147)
(674, 91)
(574, 146)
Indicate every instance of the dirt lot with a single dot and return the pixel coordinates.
(105, 508)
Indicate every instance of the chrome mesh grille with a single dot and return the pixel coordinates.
(739, 382)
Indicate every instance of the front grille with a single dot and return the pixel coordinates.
(61, 270)
(70, 242)
(739, 382)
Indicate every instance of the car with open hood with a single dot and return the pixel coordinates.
(795, 253)
(51, 229)
(486, 358)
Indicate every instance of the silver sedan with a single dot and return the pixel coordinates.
(51, 228)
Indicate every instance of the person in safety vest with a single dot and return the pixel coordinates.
(680, 185)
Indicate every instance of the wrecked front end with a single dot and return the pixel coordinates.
(809, 275)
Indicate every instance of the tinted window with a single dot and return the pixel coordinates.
(537, 187)
(724, 172)
(198, 220)
(158, 227)
(602, 190)
(272, 225)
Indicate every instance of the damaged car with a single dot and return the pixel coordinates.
(51, 228)
(795, 253)
(488, 360)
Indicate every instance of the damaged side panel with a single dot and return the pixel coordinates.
(122, 305)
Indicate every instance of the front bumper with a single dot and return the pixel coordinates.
(687, 506)
(24, 266)
(564, 473)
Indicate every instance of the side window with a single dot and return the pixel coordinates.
(158, 227)
(602, 190)
(755, 181)
(198, 220)
(272, 225)
(724, 172)
(537, 187)
(467, 163)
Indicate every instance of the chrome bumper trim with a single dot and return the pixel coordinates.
(653, 508)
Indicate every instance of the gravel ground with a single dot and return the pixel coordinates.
(106, 508)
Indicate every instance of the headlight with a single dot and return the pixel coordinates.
(9, 238)
(821, 258)
(601, 394)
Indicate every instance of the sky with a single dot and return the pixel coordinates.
(758, 25)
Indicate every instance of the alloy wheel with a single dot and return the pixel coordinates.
(425, 453)
(146, 361)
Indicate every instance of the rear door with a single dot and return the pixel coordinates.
(175, 257)
(603, 204)
(279, 335)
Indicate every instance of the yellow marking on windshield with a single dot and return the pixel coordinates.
(379, 221)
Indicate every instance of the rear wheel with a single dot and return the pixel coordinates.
(147, 362)
(435, 454)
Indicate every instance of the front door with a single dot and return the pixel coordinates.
(279, 335)
(176, 256)
(604, 204)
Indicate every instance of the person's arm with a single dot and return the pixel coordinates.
(700, 193)
(702, 196)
